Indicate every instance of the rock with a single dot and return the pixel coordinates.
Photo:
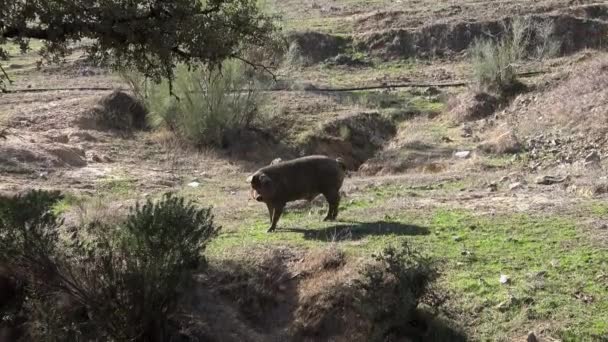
(504, 279)
(592, 158)
(532, 337)
(67, 155)
(276, 161)
(457, 238)
(462, 154)
(61, 138)
(194, 184)
(82, 136)
(467, 131)
(516, 186)
(550, 180)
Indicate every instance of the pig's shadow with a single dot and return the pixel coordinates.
(358, 230)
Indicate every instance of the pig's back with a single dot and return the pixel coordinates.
(306, 177)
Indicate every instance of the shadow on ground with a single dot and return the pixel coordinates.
(358, 230)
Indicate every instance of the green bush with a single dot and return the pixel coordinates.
(126, 277)
(391, 290)
(205, 104)
(28, 232)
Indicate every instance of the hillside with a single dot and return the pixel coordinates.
(517, 190)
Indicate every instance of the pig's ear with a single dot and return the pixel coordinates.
(264, 179)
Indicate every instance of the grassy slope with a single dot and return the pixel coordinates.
(556, 271)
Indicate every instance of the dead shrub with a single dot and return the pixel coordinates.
(471, 106)
(391, 289)
(501, 142)
(120, 111)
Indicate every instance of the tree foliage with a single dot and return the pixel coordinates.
(151, 36)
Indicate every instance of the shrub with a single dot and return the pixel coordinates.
(547, 46)
(494, 61)
(126, 278)
(129, 278)
(391, 290)
(28, 232)
(205, 104)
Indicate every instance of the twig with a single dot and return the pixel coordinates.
(256, 66)
(5, 75)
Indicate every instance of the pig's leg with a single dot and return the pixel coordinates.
(333, 199)
(270, 210)
(278, 210)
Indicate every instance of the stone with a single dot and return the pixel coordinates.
(550, 180)
(592, 158)
(194, 184)
(462, 154)
(504, 279)
(516, 186)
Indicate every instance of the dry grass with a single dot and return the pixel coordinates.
(500, 141)
(577, 104)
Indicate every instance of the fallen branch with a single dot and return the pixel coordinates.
(312, 89)
(44, 90)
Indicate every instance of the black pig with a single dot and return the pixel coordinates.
(301, 178)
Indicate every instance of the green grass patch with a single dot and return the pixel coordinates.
(425, 104)
(69, 200)
(599, 209)
(118, 185)
(14, 50)
(553, 268)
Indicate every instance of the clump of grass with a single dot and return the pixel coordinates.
(494, 61)
(202, 105)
